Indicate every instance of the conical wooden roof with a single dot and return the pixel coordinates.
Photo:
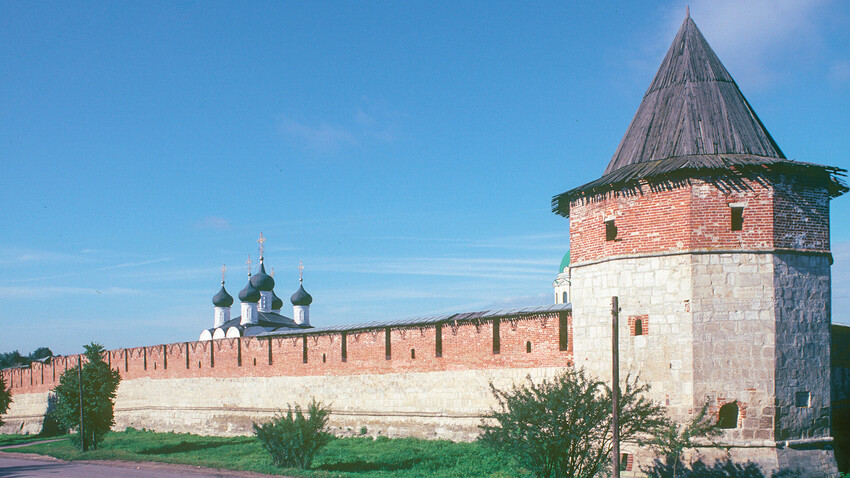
(693, 106)
(694, 118)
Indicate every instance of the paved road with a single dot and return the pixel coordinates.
(24, 465)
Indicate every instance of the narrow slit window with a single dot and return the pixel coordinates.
(324, 358)
(610, 230)
(638, 327)
(564, 298)
(737, 218)
(344, 340)
(412, 354)
(528, 347)
(563, 333)
(497, 344)
(304, 349)
(387, 345)
(439, 341)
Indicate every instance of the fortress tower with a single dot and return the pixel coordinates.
(717, 247)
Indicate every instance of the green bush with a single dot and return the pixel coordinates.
(561, 427)
(293, 440)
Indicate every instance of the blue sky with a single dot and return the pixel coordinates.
(405, 152)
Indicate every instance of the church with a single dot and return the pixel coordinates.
(259, 305)
(708, 243)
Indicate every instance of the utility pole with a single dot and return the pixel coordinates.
(615, 389)
(82, 425)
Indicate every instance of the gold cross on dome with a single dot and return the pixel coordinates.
(248, 262)
(300, 271)
(223, 270)
(261, 241)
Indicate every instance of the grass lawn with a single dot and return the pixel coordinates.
(342, 457)
(18, 439)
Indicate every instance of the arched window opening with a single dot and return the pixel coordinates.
(528, 347)
(564, 297)
(638, 327)
(728, 416)
(324, 358)
(412, 354)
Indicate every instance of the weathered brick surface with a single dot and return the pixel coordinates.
(784, 213)
(155, 379)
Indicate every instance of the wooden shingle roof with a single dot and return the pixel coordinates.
(693, 117)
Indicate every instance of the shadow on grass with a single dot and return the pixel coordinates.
(181, 447)
(355, 466)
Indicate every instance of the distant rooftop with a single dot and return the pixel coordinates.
(423, 321)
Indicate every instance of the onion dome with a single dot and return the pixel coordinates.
(222, 299)
(249, 293)
(565, 262)
(301, 297)
(262, 281)
(277, 302)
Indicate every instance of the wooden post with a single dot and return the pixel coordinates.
(82, 423)
(615, 388)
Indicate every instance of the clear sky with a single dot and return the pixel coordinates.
(406, 152)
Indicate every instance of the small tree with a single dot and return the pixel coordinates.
(673, 439)
(5, 398)
(562, 427)
(99, 385)
(293, 440)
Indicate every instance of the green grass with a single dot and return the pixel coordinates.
(18, 439)
(344, 457)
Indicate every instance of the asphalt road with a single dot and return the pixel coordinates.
(20, 465)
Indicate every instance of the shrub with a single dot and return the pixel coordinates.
(99, 385)
(673, 439)
(293, 440)
(5, 398)
(561, 427)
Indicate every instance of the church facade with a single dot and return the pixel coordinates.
(714, 244)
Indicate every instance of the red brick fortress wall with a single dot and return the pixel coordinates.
(529, 341)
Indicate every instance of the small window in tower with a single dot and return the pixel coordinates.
(638, 327)
(324, 358)
(528, 347)
(728, 416)
(737, 218)
(610, 230)
(564, 298)
(563, 332)
(803, 400)
(412, 354)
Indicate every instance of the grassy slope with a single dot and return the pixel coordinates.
(349, 457)
(18, 439)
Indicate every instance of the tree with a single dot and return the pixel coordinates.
(293, 440)
(40, 353)
(12, 359)
(672, 440)
(562, 427)
(99, 385)
(5, 398)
